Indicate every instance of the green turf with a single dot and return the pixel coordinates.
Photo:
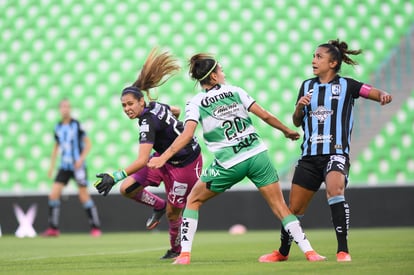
(374, 251)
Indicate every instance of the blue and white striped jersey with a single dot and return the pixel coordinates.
(328, 120)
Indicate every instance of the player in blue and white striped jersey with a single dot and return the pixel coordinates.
(74, 145)
(324, 110)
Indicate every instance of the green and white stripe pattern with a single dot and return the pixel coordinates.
(227, 128)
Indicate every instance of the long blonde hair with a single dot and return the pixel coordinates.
(157, 69)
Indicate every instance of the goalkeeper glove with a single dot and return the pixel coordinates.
(107, 180)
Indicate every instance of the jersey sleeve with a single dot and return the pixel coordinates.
(354, 87)
(192, 111)
(55, 134)
(301, 92)
(82, 132)
(245, 98)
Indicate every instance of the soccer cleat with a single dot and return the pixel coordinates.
(343, 257)
(96, 232)
(170, 254)
(312, 256)
(183, 258)
(275, 256)
(51, 232)
(154, 220)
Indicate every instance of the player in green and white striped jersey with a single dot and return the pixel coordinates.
(227, 128)
(223, 112)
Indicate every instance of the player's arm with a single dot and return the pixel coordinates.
(53, 158)
(302, 100)
(375, 94)
(298, 114)
(176, 111)
(179, 143)
(273, 121)
(144, 152)
(86, 149)
(106, 181)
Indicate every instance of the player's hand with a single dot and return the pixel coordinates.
(156, 162)
(107, 180)
(385, 98)
(293, 135)
(105, 183)
(304, 101)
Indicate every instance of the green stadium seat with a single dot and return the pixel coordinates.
(88, 51)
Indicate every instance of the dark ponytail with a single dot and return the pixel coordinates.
(201, 66)
(339, 52)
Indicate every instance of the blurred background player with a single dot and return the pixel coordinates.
(74, 145)
(223, 112)
(159, 126)
(324, 110)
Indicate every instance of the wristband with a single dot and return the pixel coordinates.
(364, 91)
(119, 175)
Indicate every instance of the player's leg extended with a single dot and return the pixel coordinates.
(290, 224)
(133, 187)
(299, 199)
(199, 194)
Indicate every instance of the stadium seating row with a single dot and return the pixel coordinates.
(89, 50)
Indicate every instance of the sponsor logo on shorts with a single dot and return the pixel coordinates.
(210, 172)
(179, 189)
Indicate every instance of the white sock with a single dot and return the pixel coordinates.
(188, 229)
(292, 226)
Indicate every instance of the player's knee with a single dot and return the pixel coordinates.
(127, 190)
(297, 210)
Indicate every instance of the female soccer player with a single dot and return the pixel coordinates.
(74, 146)
(159, 127)
(222, 110)
(324, 109)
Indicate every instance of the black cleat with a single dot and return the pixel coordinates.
(154, 220)
(170, 255)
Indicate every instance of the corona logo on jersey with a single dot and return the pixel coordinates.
(208, 100)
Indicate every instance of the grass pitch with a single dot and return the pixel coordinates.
(374, 251)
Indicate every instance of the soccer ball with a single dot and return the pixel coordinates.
(237, 229)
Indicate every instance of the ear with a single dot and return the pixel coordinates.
(213, 77)
(333, 64)
(142, 101)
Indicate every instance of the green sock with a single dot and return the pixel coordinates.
(188, 213)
